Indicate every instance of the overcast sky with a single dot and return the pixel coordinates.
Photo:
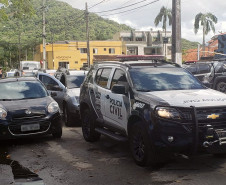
(143, 18)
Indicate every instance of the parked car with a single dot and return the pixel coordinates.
(199, 69)
(158, 106)
(72, 82)
(55, 88)
(211, 73)
(27, 109)
(13, 72)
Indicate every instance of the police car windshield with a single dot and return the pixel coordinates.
(22, 90)
(74, 81)
(163, 79)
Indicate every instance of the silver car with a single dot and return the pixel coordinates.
(72, 83)
(65, 90)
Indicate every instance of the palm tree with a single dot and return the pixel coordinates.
(207, 22)
(164, 15)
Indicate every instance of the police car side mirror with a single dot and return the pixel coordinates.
(118, 89)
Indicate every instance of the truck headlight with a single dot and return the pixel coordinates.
(168, 113)
(53, 107)
(3, 113)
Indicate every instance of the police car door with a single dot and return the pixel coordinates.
(117, 105)
(102, 83)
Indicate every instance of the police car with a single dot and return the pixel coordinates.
(158, 106)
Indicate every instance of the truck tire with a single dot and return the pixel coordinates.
(221, 86)
(143, 152)
(88, 127)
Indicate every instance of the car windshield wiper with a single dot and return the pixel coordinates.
(143, 90)
(5, 99)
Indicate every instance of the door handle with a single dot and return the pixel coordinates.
(107, 96)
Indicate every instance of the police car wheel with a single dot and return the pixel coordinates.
(88, 127)
(139, 145)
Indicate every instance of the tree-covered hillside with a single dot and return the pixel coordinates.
(186, 44)
(19, 36)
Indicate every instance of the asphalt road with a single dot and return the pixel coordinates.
(72, 161)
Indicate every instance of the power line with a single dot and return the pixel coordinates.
(125, 2)
(97, 4)
(132, 9)
(121, 7)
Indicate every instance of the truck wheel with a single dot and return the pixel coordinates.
(221, 86)
(88, 127)
(143, 152)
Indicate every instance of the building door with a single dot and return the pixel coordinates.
(64, 65)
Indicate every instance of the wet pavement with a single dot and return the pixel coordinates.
(21, 174)
(71, 160)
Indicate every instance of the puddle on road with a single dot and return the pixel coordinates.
(22, 175)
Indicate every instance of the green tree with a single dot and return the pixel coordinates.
(164, 15)
(19, 8)
(207, 22)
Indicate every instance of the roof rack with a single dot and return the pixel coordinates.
(123, 58)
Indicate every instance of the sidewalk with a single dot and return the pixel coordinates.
(6, 175)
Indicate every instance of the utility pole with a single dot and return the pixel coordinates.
(198, 57)
(52, 47)
(44, 66)
(176, 32)
(87, 35)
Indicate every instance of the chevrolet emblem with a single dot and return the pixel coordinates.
(213, 116)
(28, 112)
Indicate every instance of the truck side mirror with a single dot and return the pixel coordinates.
(119, 89)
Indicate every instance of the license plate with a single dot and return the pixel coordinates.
(30, 127)
(221, 134)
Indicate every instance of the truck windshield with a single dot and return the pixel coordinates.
(22, 90)
(163, 79)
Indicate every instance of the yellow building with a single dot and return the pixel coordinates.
(73, 54)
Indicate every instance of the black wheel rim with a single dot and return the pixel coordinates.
(86, 126)
(222, 87)
(138, 146)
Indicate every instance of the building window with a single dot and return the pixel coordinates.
(132, 51)
(126, 39)
(111, 50)
(95, 50)
(76, 62)
(83, 50)
(139, 39)
(105, 49)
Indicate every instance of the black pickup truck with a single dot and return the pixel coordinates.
(211, 73)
